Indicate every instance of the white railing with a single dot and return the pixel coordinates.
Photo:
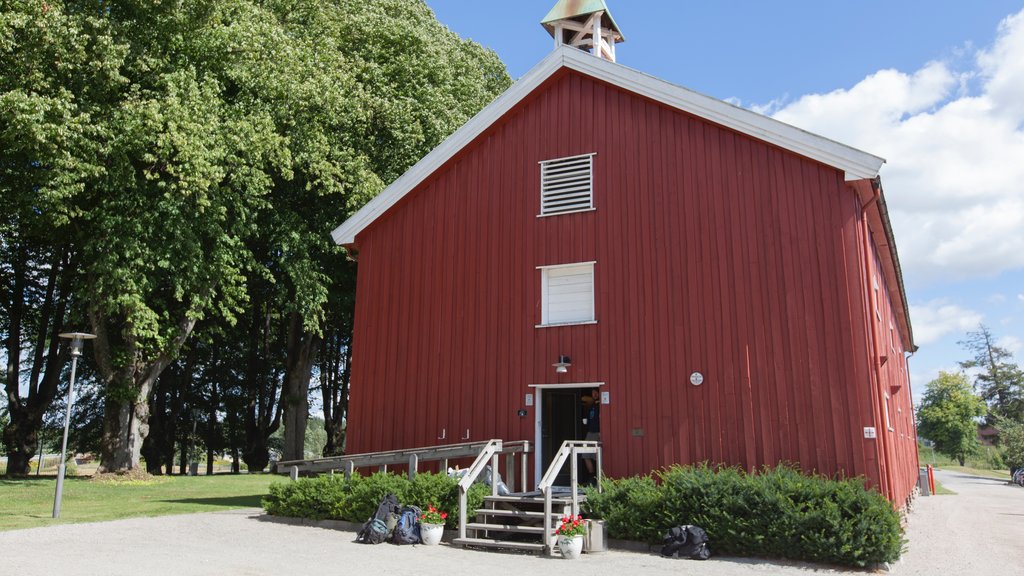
(570, 450)
(488, 454)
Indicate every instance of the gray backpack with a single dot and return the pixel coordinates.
(376, 529)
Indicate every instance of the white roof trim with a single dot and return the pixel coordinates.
(855, 163)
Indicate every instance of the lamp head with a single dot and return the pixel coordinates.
(77, 341)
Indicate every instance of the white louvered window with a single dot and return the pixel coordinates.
(567, 185)
(567, 294)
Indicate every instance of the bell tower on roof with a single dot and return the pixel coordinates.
(585, 24)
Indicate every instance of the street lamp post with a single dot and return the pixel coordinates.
(77, 342)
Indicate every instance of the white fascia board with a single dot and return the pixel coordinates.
(855, 163)
(346, 233)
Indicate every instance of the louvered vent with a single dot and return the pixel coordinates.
(567, 184)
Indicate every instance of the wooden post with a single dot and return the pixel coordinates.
(597, 33)
(414, 462)
(293, 472)
(494, 474)
(510, 471)
(350, 468)
(559, 34)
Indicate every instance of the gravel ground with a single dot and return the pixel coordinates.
(979, 531)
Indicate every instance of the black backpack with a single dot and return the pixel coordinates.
(686, 541)
(407, 531)
(376, 530)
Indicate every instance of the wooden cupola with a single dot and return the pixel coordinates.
(578, 22)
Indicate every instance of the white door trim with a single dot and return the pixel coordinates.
(538, 415)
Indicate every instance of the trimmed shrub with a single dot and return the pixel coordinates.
(776, 512)
(356, 499)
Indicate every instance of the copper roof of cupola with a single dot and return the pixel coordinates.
(579, 10)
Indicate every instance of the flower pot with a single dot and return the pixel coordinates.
(570, 546)
(431, 533)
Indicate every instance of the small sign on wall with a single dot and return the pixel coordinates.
(529, 399)
(606, 397)
(869, 432)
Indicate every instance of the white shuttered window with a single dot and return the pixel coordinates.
(567, 185)
(567, 294)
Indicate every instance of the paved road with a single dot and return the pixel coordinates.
(980, 531)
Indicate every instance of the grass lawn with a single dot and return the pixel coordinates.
(997, 474)
(941, 490)
(28, 502)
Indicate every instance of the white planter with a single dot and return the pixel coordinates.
(431, 533)
(570, 546)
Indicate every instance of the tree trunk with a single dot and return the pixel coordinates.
(211, 429)
(22, 440)
(302, 349)
(26, 413)
(130, 385)
(125, 425)
(335, 360)
(264, 406)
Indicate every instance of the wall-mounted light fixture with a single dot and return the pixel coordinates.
(562, 366)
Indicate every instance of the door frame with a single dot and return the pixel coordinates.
(538, 415)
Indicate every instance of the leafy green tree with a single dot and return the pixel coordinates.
(56, 70)
(948, 416)
(999, 380)
(1011, 437)
(191, 157)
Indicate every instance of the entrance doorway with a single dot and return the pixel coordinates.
(559, 417)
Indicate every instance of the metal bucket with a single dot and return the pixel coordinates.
(923, 482)
(596, 539)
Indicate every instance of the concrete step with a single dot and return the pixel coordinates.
(493, 543)
(504, 528)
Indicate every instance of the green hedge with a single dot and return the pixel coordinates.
(776, 512)
(356, 499)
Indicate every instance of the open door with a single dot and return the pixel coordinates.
(560, 421)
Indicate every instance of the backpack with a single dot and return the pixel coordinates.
(408, 529)
(686, 541)
(376, 529)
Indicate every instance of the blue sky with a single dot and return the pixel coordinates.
(936, 87)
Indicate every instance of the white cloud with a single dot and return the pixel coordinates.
(954, 180)
(936, 318)
(1011, 344)
(1020, 297)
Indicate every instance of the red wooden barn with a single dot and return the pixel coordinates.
(729, 282)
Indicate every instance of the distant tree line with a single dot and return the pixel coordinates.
(988, 388)
(169, 176)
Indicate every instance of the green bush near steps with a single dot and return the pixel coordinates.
(356, 499)
(775, 512)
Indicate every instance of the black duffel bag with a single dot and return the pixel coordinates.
(686, 541)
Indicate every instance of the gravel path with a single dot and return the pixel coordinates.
(980, 531)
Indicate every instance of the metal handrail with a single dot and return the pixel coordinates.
(569, 449)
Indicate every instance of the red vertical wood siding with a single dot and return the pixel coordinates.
(715, 252)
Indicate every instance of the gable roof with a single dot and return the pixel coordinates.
(855, 163)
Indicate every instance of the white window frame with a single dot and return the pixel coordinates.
(888, 423)
(544, 323)
(589, 208)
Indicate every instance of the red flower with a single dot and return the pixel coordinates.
(444, 515)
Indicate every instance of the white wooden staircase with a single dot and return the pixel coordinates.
(525, 521)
